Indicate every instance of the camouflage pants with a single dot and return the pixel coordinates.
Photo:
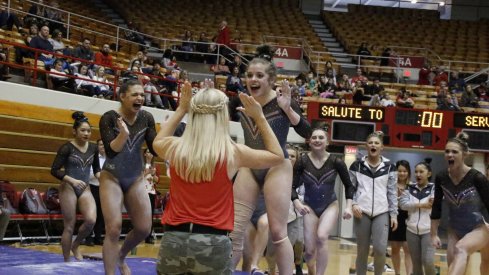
(191, 254)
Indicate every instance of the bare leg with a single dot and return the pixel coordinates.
(470, 243)
(484, 268)
(326, 223)
(138, 206)
(280, 178)
(260, 241)
(311, 222)
(248, 247)
(452, 239)
(67, 200)
(245, 190)
(86, 204)
(111, 201)
(396, 256)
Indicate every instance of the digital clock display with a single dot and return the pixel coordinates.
(359, 113)
(427, 119)
(471, 120)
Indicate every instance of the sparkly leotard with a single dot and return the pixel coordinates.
(76, 163)
(280, 123)
(466, 201)
(127, 165)
(319, 182)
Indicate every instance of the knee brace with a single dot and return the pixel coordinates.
(242, 215)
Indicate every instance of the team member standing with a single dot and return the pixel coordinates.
(123, 132)
(281, 112)
(317, 170)
(417, 199)
(77, 157)
(200, 213)
(466, 191)
(98, 228)
(374, 203)
(397, 238)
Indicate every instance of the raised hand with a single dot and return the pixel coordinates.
(250, 106)
(208, 83)
(122, 126)
(284, 95)
(185, 96)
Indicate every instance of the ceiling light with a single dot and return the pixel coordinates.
(442, 3)
(414, 1)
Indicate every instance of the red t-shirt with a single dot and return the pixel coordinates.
(206, 203)
(104, 60)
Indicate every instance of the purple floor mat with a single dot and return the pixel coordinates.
(20, 261)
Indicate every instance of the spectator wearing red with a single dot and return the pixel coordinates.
(103, 57)
(483, 92)
(440, 76)
(359, 77)
(223, 36)
(424, 75)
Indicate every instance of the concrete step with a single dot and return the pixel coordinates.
(325, 35)
(332, 44)
(338, 50)
(343, 59)
(316, 22)
(328, 39)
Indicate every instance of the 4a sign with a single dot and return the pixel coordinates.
(407, 61)
(288, 53)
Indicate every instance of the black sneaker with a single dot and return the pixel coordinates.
(98, 241)
(298, 270)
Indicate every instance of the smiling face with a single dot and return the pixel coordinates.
(454, 155)
(83, 132)
(318, 140)
(133, 99)
(258, 80)
(292, 155)
(402, 174)
(374, 146)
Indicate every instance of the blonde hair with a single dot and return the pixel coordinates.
(377, 134)
(206, 141)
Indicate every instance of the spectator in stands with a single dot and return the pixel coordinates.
(133, 34)
(424, 75)
(483, 92)
(83, 83)
(311, 83)
(202, 47)
(36, 15)
(301, 86)
(469, 98)
(102, 90)
(141, 58)
(55, 17)
(238, 62)
(359, 93)
(375, 88)
(56, 40)
(456, 83)
(33, 32)
(41, 42)
(359, 77)
(331, 71)
(440, 75)
(328, 90)
(221, 68)
(103, 58)
(322, 83)
(344, 84)
(223, 36)
(170, 90)
(188, 44)
(4, 215)
(84, 51)
(386, 100)
(60, 78)
(169, 62)
(342, 100)
(77, 157)
(4, 70)
(234, 83)
(386, 54)
(447, 104)
(151, 94)
(8, 20)
(363, 50)
(404, 99)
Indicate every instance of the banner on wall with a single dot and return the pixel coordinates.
(408, 61)
(288, 58)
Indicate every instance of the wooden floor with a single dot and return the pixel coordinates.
(341, 258)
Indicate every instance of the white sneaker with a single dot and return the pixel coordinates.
(370, 267)
(387, 268)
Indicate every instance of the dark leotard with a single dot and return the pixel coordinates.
(280, 123)
(319, 182)
(466, 201)
(127, 165)
(77, 164)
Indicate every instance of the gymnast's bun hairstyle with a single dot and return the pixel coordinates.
(461, 139)
(79, 118)
(264, 55)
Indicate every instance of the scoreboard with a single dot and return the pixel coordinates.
(406, 128)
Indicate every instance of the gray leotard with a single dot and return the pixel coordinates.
(468, 201)
(280, 123)
(77, 164)
(127, 165)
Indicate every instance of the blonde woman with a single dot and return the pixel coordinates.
(200, 214)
